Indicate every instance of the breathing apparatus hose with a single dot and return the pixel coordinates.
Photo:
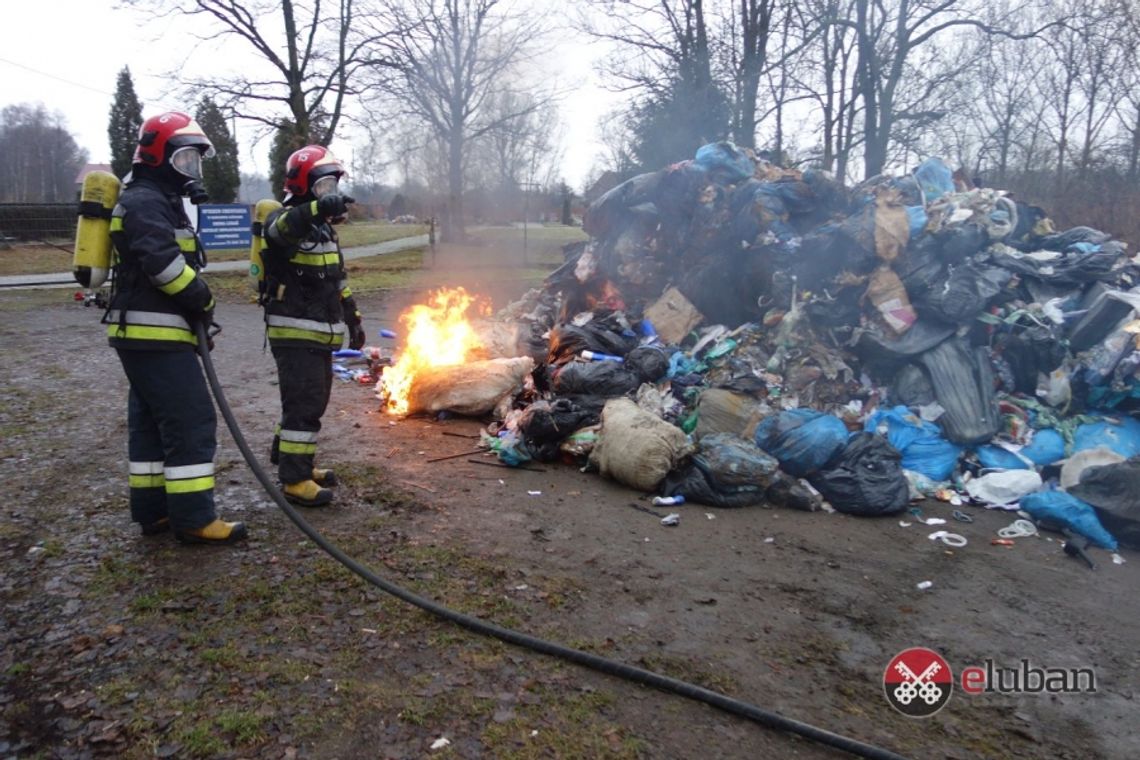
(483, 627)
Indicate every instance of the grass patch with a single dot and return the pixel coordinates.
(687, 670)
(572, 728)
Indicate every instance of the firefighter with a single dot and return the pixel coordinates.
(157, 298)
(308, 306)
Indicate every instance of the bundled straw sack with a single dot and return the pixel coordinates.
(471, 389)
(636, 448)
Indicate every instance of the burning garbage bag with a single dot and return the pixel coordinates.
(472, 389)
(635, 448)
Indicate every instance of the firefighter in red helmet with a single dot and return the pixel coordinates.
(308, 310)
(157, 298)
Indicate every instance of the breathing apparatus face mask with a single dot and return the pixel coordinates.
(187, 162)
(325, 186)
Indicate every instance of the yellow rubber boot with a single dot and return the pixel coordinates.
(325, 478)
(307, 494)
(217, 532)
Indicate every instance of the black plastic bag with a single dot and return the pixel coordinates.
(1028, 354)
(963, 383)
(866, 479)
(919, 267)
(922, 336)
(961, 240)
(1072, 268)
(963, 293)
(726, 471)
(911, 387)
(567, 341)
(650, 363)
(546, 424)
(1114, 491)
(607, 379)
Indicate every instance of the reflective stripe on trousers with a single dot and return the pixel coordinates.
(172, 431)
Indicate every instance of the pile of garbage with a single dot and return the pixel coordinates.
(738, 333)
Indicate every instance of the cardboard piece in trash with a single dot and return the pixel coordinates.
(673, 316)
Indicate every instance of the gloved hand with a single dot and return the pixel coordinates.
(356, 336)
(334, 206)
(204, 318)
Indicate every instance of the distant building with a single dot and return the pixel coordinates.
(87, 169)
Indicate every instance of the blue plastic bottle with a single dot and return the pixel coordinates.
(596, 356)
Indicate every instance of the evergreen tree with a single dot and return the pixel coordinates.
(220, 174)
(123, 128)
(670, 127)
(287, 140)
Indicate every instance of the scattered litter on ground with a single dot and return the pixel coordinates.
(736, 334)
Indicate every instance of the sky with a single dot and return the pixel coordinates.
(67, 55)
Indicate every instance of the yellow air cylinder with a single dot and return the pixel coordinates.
(261, 212)
(92, 261)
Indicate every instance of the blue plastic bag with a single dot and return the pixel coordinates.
(921, 444)
(1047, 447)
(1122, 437)
(916, 219)
(802, 440)
(1069, 512)
(727, 158)
(935, 179)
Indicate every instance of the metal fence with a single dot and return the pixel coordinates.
(37, 222)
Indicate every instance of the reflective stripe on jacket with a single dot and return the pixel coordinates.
(157, 286)
(304, 271)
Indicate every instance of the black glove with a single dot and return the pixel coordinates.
(356, 336)
(206, 319)
(334, 206)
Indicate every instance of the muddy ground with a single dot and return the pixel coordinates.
(114, 645)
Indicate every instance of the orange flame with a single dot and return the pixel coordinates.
(438, 335)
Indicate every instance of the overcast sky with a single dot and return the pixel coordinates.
(67, 54)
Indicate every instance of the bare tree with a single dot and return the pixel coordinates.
(455, 59)
(523, 149)
(312, 54)
(39, 158)
(663, 55)
(887, 36)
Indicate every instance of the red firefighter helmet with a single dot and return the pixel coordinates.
(161, 136)
(308, 165)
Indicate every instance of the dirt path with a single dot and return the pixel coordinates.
(114, 645)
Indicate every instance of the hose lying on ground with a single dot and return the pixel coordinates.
(610, 667)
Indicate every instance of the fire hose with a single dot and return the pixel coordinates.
(610, 667)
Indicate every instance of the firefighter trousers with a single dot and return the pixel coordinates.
(172, 438)
(304, 376)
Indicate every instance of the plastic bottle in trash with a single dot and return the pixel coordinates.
(387, 334)
(597, 356)
(649, 334)
(668, 501)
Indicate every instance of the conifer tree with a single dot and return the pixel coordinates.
(123, 128)
(221, 174)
